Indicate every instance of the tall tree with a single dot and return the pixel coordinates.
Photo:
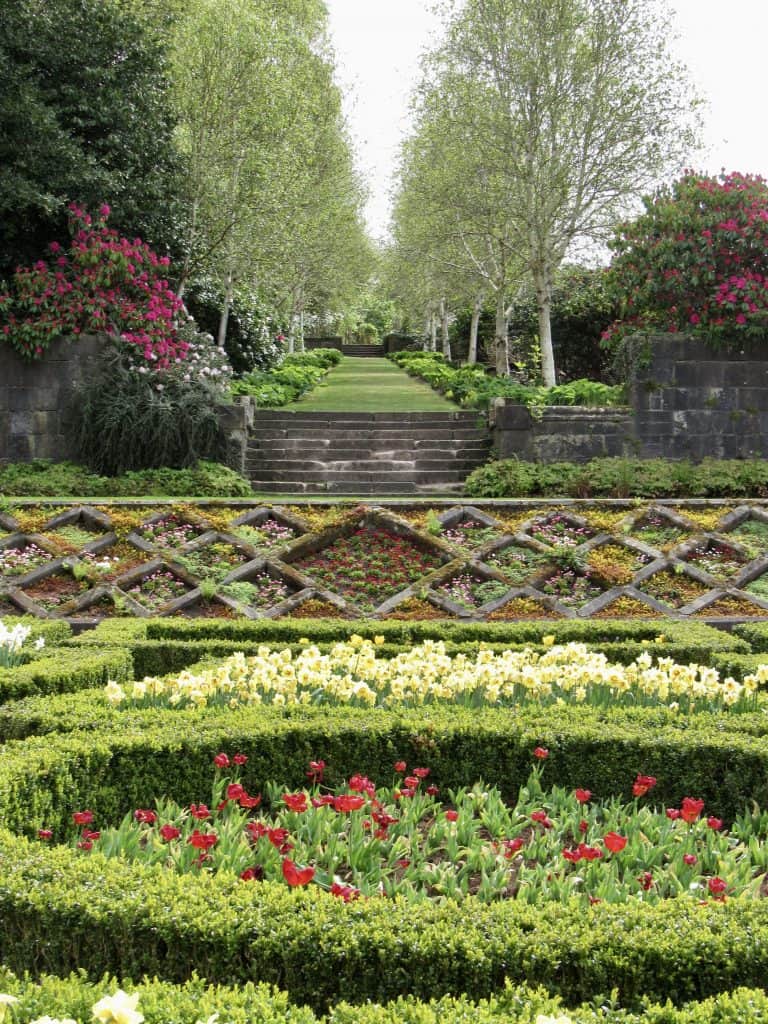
(575, 106)
(84, 116)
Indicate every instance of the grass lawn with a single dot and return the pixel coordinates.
(360, 384)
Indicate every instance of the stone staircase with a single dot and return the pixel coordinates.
(373, 351)
(364, 453)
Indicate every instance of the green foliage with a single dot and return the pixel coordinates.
(164, 1003)
(695, 260)
(252, 328)
(620, 478)
(41, 477)
(296, 375)
(474, 387)
(581, 311)
(129, 421)
(107, 916)
(85, 116)
(65, 670)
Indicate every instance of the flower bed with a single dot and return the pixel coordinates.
(363, 840)
(351, 674)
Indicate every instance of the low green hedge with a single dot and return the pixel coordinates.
(161, 646)
(620, 478)
(41, 477)
(65, 669)
(61, 911)
(164, 1003)
(113, 761)
(755, 634)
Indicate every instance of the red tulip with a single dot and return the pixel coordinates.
(583, 795)
(642, 784)
(169, 832)
(294, 875)
(82, 817)
(452, 815)
(145, 817)
(400, 767)
(614, 842)
(714, 823)
(541, 753)
(690, 809)
(221, 761)
(296, 802)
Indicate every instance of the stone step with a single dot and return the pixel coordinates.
(422, 476)
(362, 487)
(363, 350)
(394, 418)
(310, 467)
(378, 435)
(314, 450)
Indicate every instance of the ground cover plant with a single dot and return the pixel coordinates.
(474, 387)
(228, 560)
(295, 376)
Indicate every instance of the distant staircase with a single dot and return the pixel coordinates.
(363, 350)
(364, 453)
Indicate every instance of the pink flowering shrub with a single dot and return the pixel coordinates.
(696, 260)
(102, 283)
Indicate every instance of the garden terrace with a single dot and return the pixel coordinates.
(65, 747)
(492, 561)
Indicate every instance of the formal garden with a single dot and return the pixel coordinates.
(488, 751)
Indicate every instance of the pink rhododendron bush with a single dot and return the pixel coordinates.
(696, 260)
(102, 282)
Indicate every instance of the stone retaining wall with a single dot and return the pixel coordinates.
(560, 433)
(36, 398)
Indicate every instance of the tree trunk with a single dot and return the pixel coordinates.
(432, 332)
(444, 329)
(500, 345)
(477, 309)
(224, 319)
(544, 304)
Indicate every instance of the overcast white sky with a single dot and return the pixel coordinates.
(378, 43)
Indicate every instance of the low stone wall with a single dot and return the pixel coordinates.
(36, 398)
(560, 433)
(691, 400)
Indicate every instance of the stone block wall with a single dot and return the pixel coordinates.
(691, 400)
(36, 398)
(560, 433)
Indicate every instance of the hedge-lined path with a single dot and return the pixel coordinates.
(359, 384)
(371, 429)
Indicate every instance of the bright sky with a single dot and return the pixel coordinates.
(378, 43)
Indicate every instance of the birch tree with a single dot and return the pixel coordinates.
(577, 108)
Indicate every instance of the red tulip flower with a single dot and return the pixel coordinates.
(296, 802)
(583, 795)
(199, 811)
(642, 784)
(82, 817)
(221, 761)
(347, 802)
(203, 840)
(400, 767)
(240, 759)
(689, 859)
(715, 823)
(542, 753)
(614, 842)
(169, 832)
(452, 815)
(45, 834)
(294, 875)
(145, 817)
(690, 809)
(717, 887)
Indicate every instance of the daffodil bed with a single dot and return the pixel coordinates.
(665, 765)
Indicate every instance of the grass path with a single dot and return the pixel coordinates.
(360, 384)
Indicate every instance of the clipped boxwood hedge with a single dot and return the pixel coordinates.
(160, 646)
(61, 910)
(165, 1003)
(65, 669)
(114, 761)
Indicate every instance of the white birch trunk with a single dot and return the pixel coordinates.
(500, 344)
(477, 309)
(432, 332)
(444, 329)
(544, 305)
